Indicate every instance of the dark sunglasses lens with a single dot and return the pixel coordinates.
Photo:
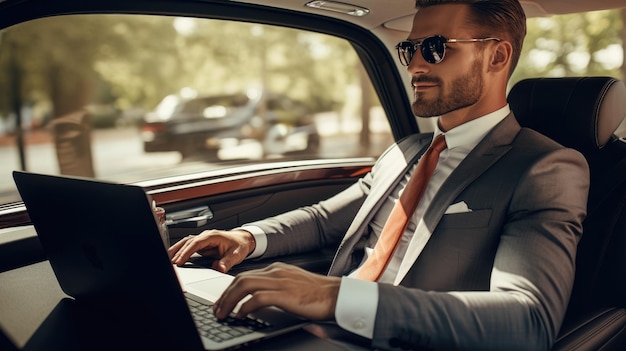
(406, 50)
(433, 49)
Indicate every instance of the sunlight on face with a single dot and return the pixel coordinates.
(461, 92)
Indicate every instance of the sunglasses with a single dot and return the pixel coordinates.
(433, 48)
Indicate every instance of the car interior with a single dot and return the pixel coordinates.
(585, 112)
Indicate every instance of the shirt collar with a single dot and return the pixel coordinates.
(469, 134)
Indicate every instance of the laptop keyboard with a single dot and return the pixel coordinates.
(220, 330)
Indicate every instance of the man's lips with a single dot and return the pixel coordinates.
(423, 85)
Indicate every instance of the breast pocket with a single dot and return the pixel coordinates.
(467, 245)
(473, 219)
(461, 248)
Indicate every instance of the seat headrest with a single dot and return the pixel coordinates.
(578, 112)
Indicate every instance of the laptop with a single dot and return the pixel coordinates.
(104, 245)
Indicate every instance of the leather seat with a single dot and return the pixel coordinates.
(583, 113)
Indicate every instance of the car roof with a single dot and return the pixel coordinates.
(398, 14)
(370, 14)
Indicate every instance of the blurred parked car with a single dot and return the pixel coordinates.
(201, 126)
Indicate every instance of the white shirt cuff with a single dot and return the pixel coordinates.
(259, 237)
(356, 306)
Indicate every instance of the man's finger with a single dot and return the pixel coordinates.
(243, 285)
(175, 251)
(209, 252)
(259, 300)
(220, 266)
(177, 245)
(232, 257)
(190, 246)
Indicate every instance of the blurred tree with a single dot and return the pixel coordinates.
(73, 61)
(55, 61)
(137, 60)
(577, 44)
(77, 60)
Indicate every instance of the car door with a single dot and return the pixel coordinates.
(78, 125)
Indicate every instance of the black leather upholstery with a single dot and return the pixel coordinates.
(583, 113)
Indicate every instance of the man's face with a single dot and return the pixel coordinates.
(457, 81)
(447, 95)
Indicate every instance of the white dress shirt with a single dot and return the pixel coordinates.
(358, 300)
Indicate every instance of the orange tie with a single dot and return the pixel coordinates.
(375, 264)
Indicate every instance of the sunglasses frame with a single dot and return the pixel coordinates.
(402, 47)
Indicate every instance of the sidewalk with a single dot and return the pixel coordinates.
(31, 137)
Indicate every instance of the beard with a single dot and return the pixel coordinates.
(465, 91)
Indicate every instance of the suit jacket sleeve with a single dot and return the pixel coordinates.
(530, 282)
(316, 226)
(327, 222)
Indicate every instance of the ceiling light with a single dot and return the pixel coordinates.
(340, 7)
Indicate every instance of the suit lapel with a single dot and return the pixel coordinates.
(493, 146)
(392, 166)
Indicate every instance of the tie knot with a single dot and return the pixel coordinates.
(439, 143)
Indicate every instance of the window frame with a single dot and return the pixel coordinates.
(375, 56)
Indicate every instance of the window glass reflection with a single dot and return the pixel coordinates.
(129, 98)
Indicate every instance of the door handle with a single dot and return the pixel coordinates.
(190, 218)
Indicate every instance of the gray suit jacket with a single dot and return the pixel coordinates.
(498, 277)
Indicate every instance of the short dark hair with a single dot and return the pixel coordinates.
(493, 18)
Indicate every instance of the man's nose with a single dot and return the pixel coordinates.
(418, 65)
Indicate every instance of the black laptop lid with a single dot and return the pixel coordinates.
(94, 233)
(104, 246)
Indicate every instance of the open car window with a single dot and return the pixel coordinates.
(130, 98)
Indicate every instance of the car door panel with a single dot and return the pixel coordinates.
(232, 202)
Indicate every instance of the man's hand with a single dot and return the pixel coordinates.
(309, 295)
(227, 247)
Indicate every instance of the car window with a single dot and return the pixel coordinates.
(581, 44)
(130, 98)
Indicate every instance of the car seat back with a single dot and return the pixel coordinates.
(583, 113)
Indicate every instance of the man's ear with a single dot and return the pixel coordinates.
(500, 58)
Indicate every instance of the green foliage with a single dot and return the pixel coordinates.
(74, 61)
(572, 45)
(69, 62)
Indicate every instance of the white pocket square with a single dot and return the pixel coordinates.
(459, 207)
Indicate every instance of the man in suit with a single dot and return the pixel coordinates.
(487, 258)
